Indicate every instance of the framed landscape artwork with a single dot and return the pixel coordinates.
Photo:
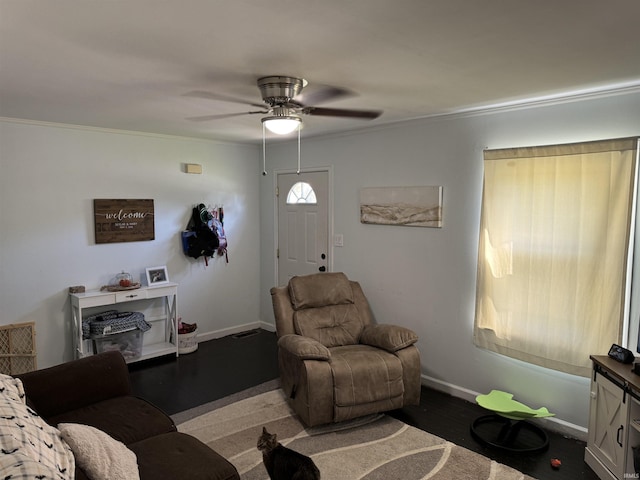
(406, 206)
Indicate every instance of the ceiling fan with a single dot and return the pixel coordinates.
(284, 104)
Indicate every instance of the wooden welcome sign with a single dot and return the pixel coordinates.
(123, 220)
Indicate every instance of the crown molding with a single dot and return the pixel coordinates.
(115, 131)
(625, 88)
(622, 88)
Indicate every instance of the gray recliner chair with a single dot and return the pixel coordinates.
(335, 363)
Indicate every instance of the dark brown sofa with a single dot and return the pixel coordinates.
(96, 391)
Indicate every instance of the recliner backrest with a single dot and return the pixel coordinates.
(319, 290)
(325, 309)
(283, 305)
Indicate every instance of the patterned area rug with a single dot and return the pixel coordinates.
(380, 448)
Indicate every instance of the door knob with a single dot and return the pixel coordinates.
(322, 268)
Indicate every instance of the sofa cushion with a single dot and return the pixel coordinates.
(331, 326)
(31, 447)
(75, 384)
(178, 455)
(99, 455)
(127, 419)
(319, 290)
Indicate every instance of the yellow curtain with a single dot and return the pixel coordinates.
(552, 259)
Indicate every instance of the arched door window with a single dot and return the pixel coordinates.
(301, 192)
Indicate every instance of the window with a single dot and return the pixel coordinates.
(301, 192)
(553, 251)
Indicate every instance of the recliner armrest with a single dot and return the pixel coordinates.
(304, 348)
(388, 337)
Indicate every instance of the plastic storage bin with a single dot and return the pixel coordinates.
(128, 343)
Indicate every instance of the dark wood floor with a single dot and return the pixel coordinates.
(231, 364)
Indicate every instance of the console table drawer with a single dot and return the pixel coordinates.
(163, 291)
(97, 300)
(130, 295)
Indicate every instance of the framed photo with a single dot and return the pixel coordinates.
(157, 276)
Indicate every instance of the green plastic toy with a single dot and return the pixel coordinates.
(503, 404)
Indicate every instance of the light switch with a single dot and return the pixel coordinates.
(338, 240)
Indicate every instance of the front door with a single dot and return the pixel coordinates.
(303, 224)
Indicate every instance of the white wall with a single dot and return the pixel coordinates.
(425, 278)
(49, 176)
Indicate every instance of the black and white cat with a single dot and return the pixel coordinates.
(282, 463)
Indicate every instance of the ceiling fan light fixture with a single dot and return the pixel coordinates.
(282, 125)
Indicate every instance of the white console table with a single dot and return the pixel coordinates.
(164, 339)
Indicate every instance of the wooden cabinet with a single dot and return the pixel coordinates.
(159, 304)
(614, 419)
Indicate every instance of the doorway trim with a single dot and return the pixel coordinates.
(330, 203)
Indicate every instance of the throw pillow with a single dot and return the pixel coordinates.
(31, 447)
(102, 457)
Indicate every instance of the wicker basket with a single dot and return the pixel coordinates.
(187, 342)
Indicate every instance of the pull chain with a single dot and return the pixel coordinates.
(264, 153)
(298, 171)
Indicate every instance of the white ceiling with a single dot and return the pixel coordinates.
(126, 64)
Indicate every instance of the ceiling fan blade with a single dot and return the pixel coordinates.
(323, 94)
(224, 98)
(206, 118)
(340, 112)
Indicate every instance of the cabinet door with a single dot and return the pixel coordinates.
(607, 423)
(634, 435)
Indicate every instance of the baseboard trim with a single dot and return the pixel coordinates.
(552, 423)
(267, 326)
(224, 332)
